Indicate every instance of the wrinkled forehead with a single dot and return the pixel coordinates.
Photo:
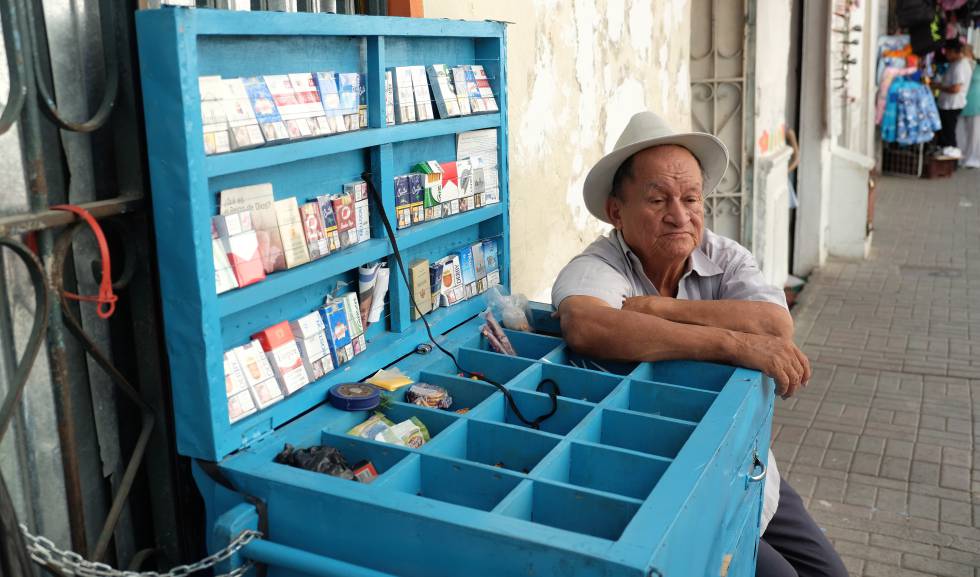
(669, 168)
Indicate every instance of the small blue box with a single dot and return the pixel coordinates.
(338, 332)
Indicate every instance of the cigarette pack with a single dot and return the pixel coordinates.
(330, 100)
(357, 190)
(304, 87)
(280, 347)
(404, 95)
(450, 181)
(343, 208)
(462, 92)
(307, 325)
(243, 128)
(329, 222)
(479, 185)
(491, 196)
(465, 178)
(452, 281)
(432, 197)
(266, 111)
(403, 201)
(490, 256)
(479, 262)
(293, 112)
(389, 99)
(313, 348)
(362, 220)
(418, 274)
(266, 393)
(259, 201)
(224, 274)
(214, 120)
(291, 232)
(450, 208)
(313, 229)
(352, 306)
(349, 86)
(245, 257)
(240, 405)
(255, 366)
(483, 87)
(435, 282)
(358, 345)
(468, 270)
(420, 86)
(338, 332)
(473, 91)
(234, 376)
(442, 90)
(362, 109)
(416, 186)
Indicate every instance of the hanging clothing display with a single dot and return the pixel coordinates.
(910, 115)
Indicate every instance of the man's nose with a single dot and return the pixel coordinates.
(677, 213)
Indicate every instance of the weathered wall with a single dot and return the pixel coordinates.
(577, 71)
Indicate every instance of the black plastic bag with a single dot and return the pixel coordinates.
(319, 458)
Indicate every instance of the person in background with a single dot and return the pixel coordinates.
(968, 127)
(952, 96)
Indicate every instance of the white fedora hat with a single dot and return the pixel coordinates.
(646, 130)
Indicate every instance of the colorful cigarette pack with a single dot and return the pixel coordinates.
(266, 111)
(462, 92)
(338, 332)
(243, 128)
(483, 87)
(330, 100)
(416, 187)
(343, 208)
(280, 347)
(329, 222)
(442, 90)
(313, 229)
(403, 201)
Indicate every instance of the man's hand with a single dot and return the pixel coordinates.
(776, 357)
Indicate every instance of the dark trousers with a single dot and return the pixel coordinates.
(793, 545)
(947, 136)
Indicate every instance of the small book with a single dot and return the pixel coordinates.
(389, 99)
(330, 100)
(420, 87)
(483, 86)
(442, 89)
(418, 273)
(243, 127)
(214, 120)
(404, 95)
(291, 231)
(462, 92)
(416, 186)
(343, 208)
(329, 222)
(313, 229)
(258, 200)
(266, 112)
(403, 201)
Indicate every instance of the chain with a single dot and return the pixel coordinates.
(45, 553)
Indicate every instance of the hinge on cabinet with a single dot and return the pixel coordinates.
(256, 434)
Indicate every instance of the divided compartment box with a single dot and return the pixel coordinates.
(558, 502)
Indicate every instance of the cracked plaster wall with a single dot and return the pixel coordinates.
(577, 71)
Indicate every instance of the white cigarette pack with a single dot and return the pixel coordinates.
(389, 99)
(255, 366)
(442, 89)
(307, 326)
(266, 393)
(420, 87)
(308, 97)
(404, 95)
(243, 127)
(214, 119)
(240, 405)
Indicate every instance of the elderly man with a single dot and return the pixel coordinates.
(659, 286)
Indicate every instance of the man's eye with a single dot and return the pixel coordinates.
(692, 200)
(657, 201)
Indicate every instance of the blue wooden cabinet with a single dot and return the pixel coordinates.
(645, 469)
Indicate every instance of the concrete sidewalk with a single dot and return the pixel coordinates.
(882, 445)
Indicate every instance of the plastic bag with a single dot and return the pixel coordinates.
(318, 458)
(512, 310)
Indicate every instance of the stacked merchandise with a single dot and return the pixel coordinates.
(459, 276)
(255, 235)
(240, 113)
(411, 91)
(282, 359)
(434, 190)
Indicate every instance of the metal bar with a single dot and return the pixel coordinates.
(16, 64)
(33, 137)
(277, 555)
(44, 219)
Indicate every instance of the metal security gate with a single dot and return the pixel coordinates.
(721, 104)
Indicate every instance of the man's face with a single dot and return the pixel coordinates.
(660, 210)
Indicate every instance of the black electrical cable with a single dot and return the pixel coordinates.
(552, 393)
(15, 561)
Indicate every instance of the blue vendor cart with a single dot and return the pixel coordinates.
(644, 469)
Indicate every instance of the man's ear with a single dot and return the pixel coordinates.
(614, 211)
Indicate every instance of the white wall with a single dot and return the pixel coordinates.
(577, 70)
